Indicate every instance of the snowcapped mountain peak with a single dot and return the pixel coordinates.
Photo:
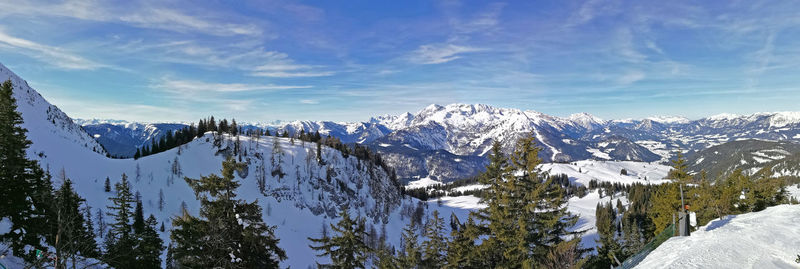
(723, 116)
(393, 122)
(668, 119)
(586, 120)
(781, 119)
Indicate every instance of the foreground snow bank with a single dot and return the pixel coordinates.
(765, 239)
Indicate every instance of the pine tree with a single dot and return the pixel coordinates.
(25, 188)
(461, 251)
(608, 247)
(120, 241)
(411, 254)
(494, 219)
(138, 217)
(435, 247)
(107, 186)
(526, 217)
(347, 248)
(666, 199)
(72, 237)
(232, 231)
(149, 245)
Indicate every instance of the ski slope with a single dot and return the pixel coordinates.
(765, 239)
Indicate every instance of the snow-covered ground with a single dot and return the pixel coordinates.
(585, 207)
(765, 239)
(609, 171)
(422, 183)
(794, 191)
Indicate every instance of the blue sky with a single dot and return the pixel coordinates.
(349, 60)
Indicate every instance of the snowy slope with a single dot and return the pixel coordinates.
(585, 171)
(47, 123)
(765, 239)
(299, 203)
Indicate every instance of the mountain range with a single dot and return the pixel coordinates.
(450, 142)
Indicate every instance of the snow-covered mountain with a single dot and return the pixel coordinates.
(750, 155)
(47, 123)
(451, 142)
(122, 138)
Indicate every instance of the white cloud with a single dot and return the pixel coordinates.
(309, 102)
(47, 54)
(631, 77)
(134, 14)
(439, 53)
(193, 86)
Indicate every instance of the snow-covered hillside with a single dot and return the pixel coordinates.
(46, 123)
(765, 239)
(610, 171)
(300, 202)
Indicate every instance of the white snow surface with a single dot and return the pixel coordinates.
(422, 183)
(765, 239)
(584, 171)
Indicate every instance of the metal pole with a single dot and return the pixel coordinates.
(683, 206)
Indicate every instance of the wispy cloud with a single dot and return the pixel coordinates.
(47, 54)
(309, 102)
(249, 57)
(194, 87)
(286, 69)
(631, 77)
(439, 53)
(143, 15)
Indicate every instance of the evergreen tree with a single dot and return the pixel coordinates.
(666, 199)
(120, 241)
(107, 186)
(435, 247)
(526, 217)
(411, 254)
(25, 188)
(347, 248)
(608, 248)
(71, 237)
(461, 251)
(149, 245)
(231, 231)
(138, 217)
